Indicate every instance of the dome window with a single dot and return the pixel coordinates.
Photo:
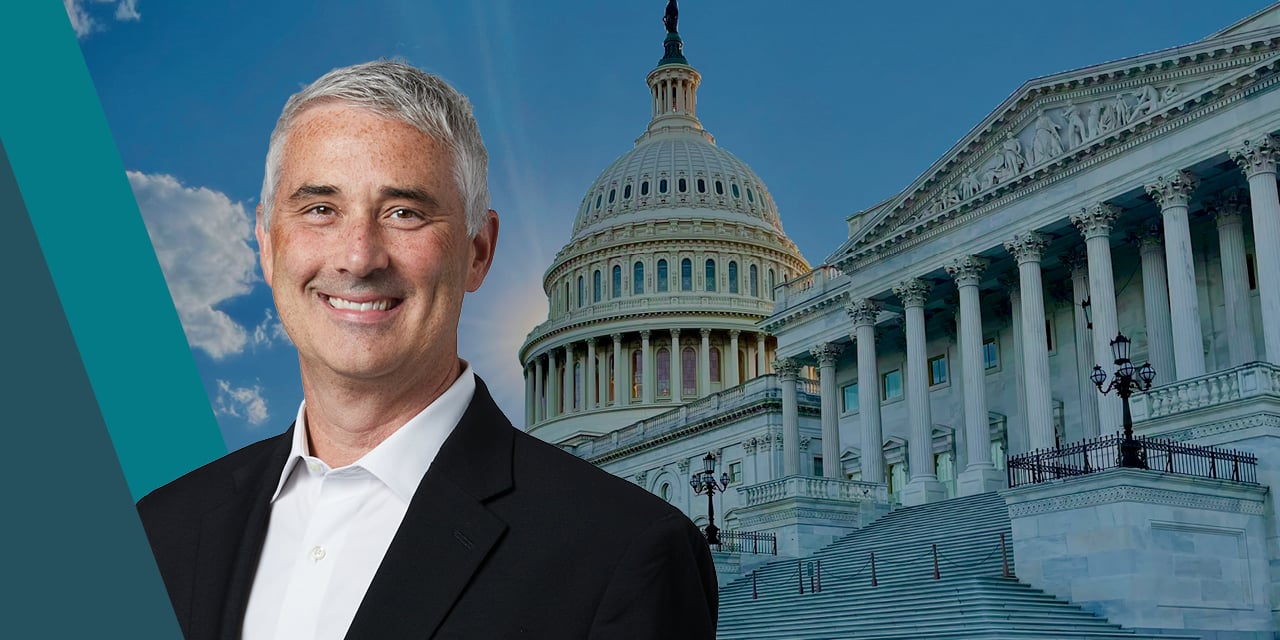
(637, 278)
(661, 285)
(686, 275)
(750, 196)
(612, 193)
(682, 185)
(702, 185)
(595, 286)
(582, 292)
(662, 185)
(719, 188)
(626, 192)
(617, 282)
(644, 188)
(599, 201)
(734, 188)
(754, 279)
(710, 275)
(733, 276)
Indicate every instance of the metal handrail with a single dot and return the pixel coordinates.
(1104, 452)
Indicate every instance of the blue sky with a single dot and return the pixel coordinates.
(836, 105)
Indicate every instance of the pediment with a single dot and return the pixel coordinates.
(1056, 121)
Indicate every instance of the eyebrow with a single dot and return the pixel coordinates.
(415, 194)
(312, 190)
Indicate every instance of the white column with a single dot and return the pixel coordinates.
(1027, 249)
(787, 370)
(539, 399)
(732, 378)
(1078, 264)
(1235, 280)
(528, 396)
(863, 313)
(704, 363)
(1095, 225)
(1173, 193)
(1019, 436)
(1257, 158)
(553, 396)
(620, 391)
(567, 386)
(1155, 303)
(923, 486)
(677, 392)
(760, 351)
(589, 374)
(648, 377)
(979, 476)
(826, 354)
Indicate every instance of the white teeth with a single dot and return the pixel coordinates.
(376, 305)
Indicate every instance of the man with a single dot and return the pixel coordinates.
(402, 503)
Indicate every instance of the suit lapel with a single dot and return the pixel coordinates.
(447, 531)
(231, 538)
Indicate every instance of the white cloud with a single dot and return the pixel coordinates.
(84, 22)
(202, 240)
(246, 403)
(269, 331)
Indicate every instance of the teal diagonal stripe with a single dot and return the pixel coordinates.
(103, 267)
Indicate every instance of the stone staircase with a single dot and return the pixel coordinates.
(971, 598)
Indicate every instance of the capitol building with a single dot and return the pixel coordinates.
(908, 439)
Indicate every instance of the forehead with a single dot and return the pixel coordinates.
(334, 140)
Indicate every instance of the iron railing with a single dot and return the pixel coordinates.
(747, 542)
(1104, 452)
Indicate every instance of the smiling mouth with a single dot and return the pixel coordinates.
(381, 304)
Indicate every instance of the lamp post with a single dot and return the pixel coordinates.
(1086, 306)
(705, 482)
(1124, 382)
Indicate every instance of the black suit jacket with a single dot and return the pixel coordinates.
(506, 536)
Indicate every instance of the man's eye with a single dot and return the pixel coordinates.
(321, 210)
(404, 214)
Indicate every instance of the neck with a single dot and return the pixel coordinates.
(346, 419)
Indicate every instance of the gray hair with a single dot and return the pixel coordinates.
(406, 94)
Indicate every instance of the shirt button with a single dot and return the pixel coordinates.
(317, 553)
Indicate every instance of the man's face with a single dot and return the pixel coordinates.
(367, 254)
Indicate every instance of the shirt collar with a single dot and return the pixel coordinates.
(403, 458)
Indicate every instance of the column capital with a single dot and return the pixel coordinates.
(734, 333)
(1096, 221)
(1075, 259)
(1149, 238)
(913, 292)
(967, 270)
(617, 338)
(786, 368)
(704, 332)
(591, 341)
(1027, 247)
(1230, 208)
(826, 353)
(1257, 155)
(644, 334)
(675, 334)
(1172, 189)
(863, 312)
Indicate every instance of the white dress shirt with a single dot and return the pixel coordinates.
(329, 528)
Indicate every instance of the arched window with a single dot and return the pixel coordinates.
(637, 278)
(753, 275)
(689, 371)
(662, 276)
(714, 357)
(686, 275)
(663, 370)
(644, 188)
(733, 186)
(711, 275)
(595, 286)
(617, 281)
(582, 292)
(682, 185)
(772, 283)
(612, 193)
(626, 192)
(733, 276)
(599, 200)
(719, 188)
(664, 491)
(662, 185)
(750, 196)
(702, 185)
(637, 372)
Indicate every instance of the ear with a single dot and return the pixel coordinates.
(264, 246)
(482, 247)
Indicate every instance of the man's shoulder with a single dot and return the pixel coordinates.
(581, 484)
(209, 485)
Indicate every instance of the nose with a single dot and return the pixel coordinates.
(364, 249)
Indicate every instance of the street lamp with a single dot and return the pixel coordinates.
(1124, 383)
(705, 482)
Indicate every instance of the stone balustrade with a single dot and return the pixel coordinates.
(1247, 381)
(818, 281)
(812, 487)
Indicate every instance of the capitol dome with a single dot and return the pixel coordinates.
(676, 250)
